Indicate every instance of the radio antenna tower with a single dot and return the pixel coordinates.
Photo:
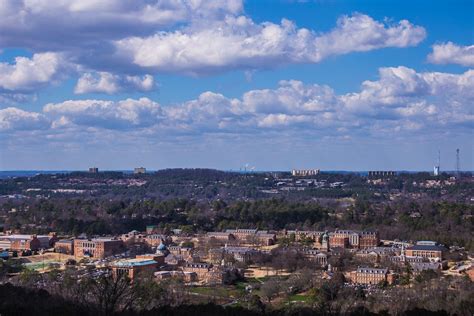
(436, 169)
(458, 165)
(439, 158)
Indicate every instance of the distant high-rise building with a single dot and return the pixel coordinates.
(139, 170)
(304, 172)
(382, 173)
(94, 170)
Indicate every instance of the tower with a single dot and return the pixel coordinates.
(325, 241)
(458, 165)
(436, 169)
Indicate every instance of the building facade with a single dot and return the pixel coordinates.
(65, 246)
(371, 276)
(431, 252)
(17, 242)
(97, 247)
(133, 268)
(304, 172)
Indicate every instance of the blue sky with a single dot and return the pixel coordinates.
(347, 85)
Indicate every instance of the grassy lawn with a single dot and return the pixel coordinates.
(299, 298)
(38, 266)
(225, 292)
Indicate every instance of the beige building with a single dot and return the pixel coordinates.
(304, 172)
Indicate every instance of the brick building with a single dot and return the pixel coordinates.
(249, 235)
(200, 268)
(368, 239)
(65, 246)
(18, 242)
(97, 248)
(432, 252)
(304, 234)
(371, 276)
(353, 239)
(155, 240)
(133, 268)
(221, 236)
(187, 277)
(133, 237)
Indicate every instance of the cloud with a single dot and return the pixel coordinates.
(123, 114)
(402, 100)
(450, 53)
(67, 24)
(402, 91)
(104, 82)
(239, 42)
(14, 119)
(112, 44)
(28, 74)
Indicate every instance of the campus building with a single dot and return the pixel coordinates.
(246, 235)
(353, 239)
(18, 242)
(65, 246)
(133, 268)
(371, 276)
(97, 247)
(431, 251)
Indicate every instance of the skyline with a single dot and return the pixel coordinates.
(319, 84)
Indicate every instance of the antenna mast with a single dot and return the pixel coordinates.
(439, 158)
(458, 164)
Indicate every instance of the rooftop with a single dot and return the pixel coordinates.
(134, 262)
(427, 247)
(372, 270)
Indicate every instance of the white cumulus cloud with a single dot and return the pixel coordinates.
(123, 114)
(239, 42)
(401, 100)
(450, 53)
(27, 74)
(105, 82)
(18, 120)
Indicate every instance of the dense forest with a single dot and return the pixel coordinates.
(447, 222)
(409, 206)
